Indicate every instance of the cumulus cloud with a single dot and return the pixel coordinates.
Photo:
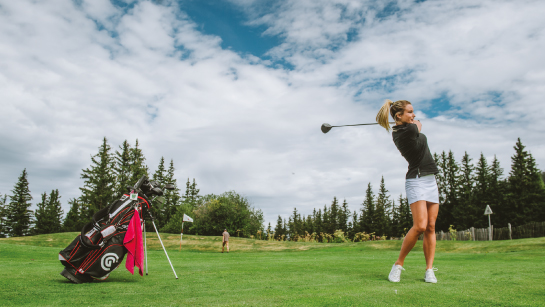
(73, 72)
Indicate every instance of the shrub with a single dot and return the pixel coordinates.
(361, 237)
(338, 237)
(453, 233)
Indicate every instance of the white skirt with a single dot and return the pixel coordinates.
(422, 188)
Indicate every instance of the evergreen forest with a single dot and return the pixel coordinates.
(466, 187)
(106, 180)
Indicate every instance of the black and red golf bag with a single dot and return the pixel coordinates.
(99, 249)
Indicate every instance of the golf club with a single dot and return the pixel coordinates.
(326, 127)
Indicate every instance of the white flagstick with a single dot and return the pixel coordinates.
(182, 235)
(145, 248)
(164, 248)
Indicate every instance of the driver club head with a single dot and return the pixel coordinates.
(326, 127)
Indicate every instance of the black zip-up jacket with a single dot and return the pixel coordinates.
(413, 146)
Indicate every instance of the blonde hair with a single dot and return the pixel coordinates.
(392, 108)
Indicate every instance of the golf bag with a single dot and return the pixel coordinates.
(99, 249)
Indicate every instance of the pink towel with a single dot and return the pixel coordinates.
(133, 243)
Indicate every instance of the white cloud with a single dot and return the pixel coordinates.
(235, 122)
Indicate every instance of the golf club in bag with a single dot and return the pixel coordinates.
(99, 249)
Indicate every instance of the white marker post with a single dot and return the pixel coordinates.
(488, 211)
(184, 219)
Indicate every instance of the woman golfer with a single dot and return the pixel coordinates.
(420, 184)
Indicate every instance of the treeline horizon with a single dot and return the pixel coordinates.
(465, 189)
(106, 180)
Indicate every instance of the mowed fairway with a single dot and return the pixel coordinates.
(260, 273)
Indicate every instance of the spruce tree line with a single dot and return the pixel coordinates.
(106, 180)
(465, 189)
(378, 216)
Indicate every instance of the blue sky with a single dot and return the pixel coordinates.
(235, 91)
(226, 20)
(232, 24)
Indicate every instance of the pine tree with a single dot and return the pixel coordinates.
(177, 208)
(441, 162)
(481, 192)
(326, 226)
(300, 224)
(19, 217)
(368, 211)
(269, 230)
(303, 223)
(98, 188)
(526, 190)
(382, 209)
(290, 228)
(318, 222)
(278, 230)
(49, 214)
(137, 165)
(309, 224)
(395, 231)
(73, 220)
(294, 224)
(497, 194)
(191, 195)
(40, 226)
(122, 169)
(160, 174)
(405, 216)
(160, 211)
(333, 216)
(3, 216)
(55, 212)
(451, 175)
(344, 217)
(355, 224)
(172, 197)
(465, 213)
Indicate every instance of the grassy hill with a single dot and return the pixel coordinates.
(261, 273)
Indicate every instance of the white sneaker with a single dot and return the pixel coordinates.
(430, 276)
(395, 273)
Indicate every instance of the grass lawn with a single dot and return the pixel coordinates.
(260, 273)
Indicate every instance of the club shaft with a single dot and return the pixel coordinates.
(158, 236)
(145, 248)
(361, 124)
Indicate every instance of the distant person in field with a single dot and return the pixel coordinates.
(225, 240)
(420, 184)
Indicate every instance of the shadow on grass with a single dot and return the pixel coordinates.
(110, 280)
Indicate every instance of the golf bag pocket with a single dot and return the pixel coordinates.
(74, 254)
(91, 237)
(103, 261)
(97, 263)
(108, 232)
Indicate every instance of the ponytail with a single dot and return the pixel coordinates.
(382, 115)
(392, 108)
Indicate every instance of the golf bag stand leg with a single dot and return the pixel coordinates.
(164, 248)
(145, 248)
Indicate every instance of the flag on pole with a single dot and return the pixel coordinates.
(187, 219)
